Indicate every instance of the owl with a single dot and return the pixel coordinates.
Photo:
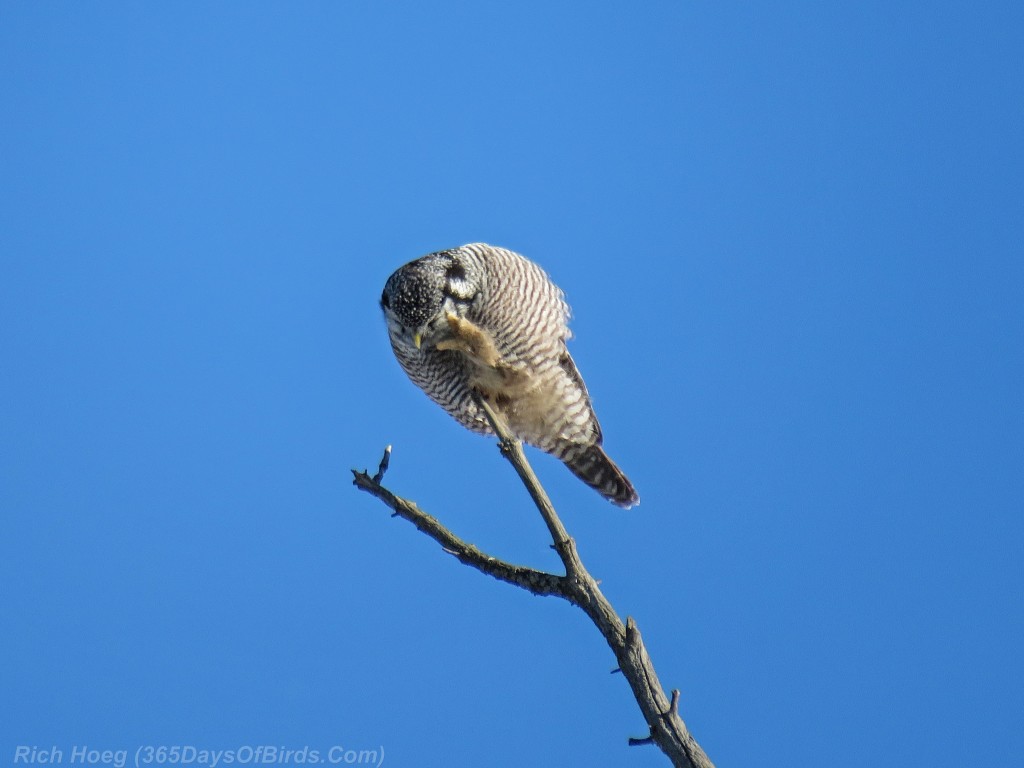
(486, 321)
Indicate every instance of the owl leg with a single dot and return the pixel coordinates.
(498, 405)
(472, 341)
(490, 376)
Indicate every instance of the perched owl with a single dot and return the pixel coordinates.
(487, 320)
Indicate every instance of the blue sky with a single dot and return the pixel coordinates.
(791, 237)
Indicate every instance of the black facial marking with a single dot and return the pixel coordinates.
(456, 283)
(455, 271)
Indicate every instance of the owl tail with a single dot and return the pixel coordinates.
(594, 468)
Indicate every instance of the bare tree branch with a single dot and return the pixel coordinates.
(667, 729)
(537, 582)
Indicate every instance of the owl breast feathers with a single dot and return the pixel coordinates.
(485, 320)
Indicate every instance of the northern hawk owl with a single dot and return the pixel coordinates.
(486, 320)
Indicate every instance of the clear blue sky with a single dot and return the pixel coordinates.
(792, 240)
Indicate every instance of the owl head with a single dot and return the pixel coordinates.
(418, 297)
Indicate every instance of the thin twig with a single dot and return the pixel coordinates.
(385, 461)
(531, 579)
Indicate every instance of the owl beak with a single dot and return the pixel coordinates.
(417, 339)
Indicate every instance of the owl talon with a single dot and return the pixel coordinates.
(471, 340)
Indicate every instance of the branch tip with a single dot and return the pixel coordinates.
(632, 634)
(673, 707)
(385, 460)
(633, 742)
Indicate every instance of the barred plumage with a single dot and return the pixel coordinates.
(485, 319)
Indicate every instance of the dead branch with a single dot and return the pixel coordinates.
(666, 728)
